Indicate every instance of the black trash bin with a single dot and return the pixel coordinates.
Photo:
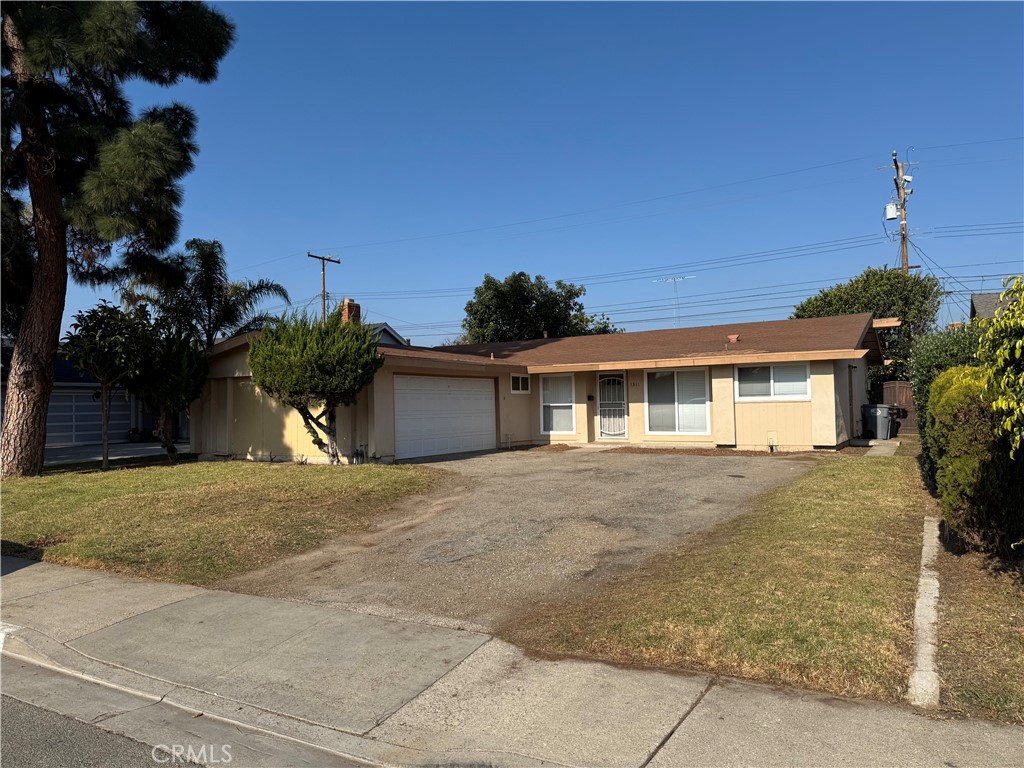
(879, 421)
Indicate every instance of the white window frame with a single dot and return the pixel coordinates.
(772, 398)
(572, 403)
(511, 381)
(707, 402)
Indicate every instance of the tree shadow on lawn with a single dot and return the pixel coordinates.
(1012, 566)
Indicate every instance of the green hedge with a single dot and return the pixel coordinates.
(932, 354)
(981, 487)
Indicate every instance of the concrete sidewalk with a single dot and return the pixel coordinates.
(293, 684)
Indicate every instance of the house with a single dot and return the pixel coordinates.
(73, 417)
(782, 385)
(984, 305)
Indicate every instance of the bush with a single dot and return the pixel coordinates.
(981, 486)
(932, 354)
(1001, 354)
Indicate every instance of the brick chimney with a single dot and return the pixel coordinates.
(349, 311)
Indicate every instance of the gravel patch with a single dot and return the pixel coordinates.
(508, 529)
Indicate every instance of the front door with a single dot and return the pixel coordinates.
(611, 405)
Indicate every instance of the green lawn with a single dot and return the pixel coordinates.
(814, 588)
(196, 523)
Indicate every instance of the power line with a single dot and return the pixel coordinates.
(968, 143)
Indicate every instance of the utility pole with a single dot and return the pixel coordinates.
(675, 288)
(323, 282)
(901, 190)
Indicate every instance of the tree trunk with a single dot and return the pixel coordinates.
(168, 434)
(332, 436)
(105, 428)
(30, 380)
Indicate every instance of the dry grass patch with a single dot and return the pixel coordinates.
(815, 588)
(197, 523)
(981, 637)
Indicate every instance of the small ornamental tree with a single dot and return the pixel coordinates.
(110, 345)
(1001, 356)
(315, 367)
(171, 378)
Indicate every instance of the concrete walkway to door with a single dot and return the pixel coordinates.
(287, 684)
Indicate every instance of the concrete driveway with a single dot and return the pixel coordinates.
(510, 528)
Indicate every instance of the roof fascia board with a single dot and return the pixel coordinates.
(228, 344)
(484, 366)
(687, 362)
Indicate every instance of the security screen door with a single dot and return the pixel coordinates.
(611, 394)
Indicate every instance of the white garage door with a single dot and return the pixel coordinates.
(74, 418)
(436, 415)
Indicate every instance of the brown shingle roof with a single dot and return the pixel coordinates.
(845, 332)
(441, 357)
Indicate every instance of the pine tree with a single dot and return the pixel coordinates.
(313, 366)
(96, 175)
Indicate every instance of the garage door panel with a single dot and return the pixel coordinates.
(437, 415)
(74, 418)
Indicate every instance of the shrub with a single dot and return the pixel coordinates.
(981, 486)
(932, 354)
(1001, 354)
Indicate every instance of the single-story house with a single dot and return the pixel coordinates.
(73, 417)
(784, 385)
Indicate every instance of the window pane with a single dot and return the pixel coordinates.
(520, 384)
(691, 395)
(661, 401)
(557, 418)
(557, 389)
(790, 380)
(755, 382)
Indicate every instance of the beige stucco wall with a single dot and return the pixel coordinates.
(233, 417)
(515, 425)
(851, 380)
(786, 425)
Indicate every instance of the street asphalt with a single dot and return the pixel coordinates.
(31, 737)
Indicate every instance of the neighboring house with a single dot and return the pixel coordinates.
(74, 414)
(984, 305)
(781, 385)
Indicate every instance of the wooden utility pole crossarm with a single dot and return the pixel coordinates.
(323, 281)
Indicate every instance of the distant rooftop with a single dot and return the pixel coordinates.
(984, 305)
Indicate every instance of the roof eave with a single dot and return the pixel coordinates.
(704, 360)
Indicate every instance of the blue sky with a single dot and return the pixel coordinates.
(610, 144)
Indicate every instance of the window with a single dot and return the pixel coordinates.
(557, 414)
(677, 402)
(520, 385)
(773, 382)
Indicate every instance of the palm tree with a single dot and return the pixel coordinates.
(208, 301)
